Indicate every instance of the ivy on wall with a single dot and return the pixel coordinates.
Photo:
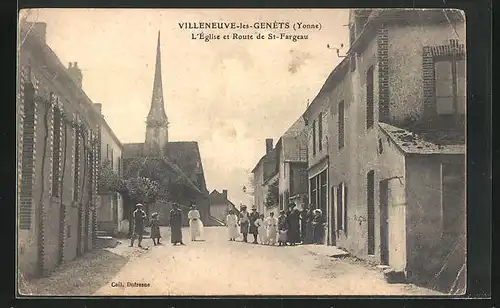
(272, 197)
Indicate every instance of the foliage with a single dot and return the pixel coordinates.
(109, 181)
(272, 197)
(170, 184)
(141, 190)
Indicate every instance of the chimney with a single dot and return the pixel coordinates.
(269, 145)
(75, 73)
(98, 107)
(224, 193)
(39, 29)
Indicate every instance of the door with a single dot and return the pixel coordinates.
(333, 237)
(384, 222)
(370, 185)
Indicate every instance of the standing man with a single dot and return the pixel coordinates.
(253, 228)
(244, 222)
(138, 218)
(293, 219)
(176, 225)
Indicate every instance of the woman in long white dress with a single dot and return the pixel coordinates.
(232, 225)
(195, 223)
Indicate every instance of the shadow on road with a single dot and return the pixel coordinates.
(80, 277)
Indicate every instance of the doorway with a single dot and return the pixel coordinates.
(384, 222)
(333, 237)
(370, 185)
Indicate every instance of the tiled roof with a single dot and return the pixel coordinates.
(411, 143)
(184, 154)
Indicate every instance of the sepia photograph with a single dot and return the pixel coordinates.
(241, 152)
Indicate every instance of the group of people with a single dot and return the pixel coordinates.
(139, 219)
(292, 227)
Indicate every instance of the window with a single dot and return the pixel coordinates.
(314, 137)
(450, 86)
(352, 35)
(345, 209)
(369, 98)
(107, 151)
(453, 198)
(320, 131)
(119, 166)
(27, 161)
(76, 179)
(341, 124)
(370, 190)
(56, 153)
(112, 165)
(312, 183)
(352, 62)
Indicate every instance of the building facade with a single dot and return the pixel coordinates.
(110, 213)
(395, 132)
(58, 158)
(220, 205)
(292, 166)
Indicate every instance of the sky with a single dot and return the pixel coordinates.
(229, 95)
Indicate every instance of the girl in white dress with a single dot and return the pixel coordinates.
(195, 223)
(232, 225)
(261, 229)
(272, 228)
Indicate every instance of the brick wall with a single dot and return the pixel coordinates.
(383, 72)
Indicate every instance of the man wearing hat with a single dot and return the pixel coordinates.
(253, 230)
(293, 218)
(244, 222)
(138, 218)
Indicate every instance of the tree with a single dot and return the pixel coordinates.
(141, 190)
(109, 181)
(272, 197)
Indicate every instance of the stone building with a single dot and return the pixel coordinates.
(396, 143)
(176, 166)
(265, 175)
(110, 216)
(220, 205)
(58, 158)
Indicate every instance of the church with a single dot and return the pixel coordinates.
(175, 166)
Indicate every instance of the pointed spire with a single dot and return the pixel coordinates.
(157, 115)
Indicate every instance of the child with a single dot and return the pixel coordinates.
(155, 228)
(282, 229)
(261, 229)
(272, 228)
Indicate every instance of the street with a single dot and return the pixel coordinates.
(214, 267)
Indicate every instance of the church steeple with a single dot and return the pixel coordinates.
(157, 121)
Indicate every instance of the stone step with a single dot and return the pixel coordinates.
(393, 276)
(101, 233)
(106, 242)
